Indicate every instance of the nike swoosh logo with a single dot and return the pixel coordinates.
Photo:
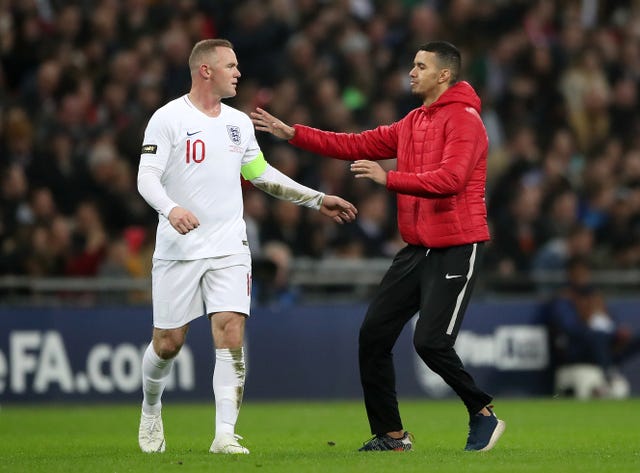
(452, 276)
(194, 133)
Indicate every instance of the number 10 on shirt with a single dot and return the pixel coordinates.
(195, 151)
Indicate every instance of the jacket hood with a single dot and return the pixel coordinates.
(460, 92)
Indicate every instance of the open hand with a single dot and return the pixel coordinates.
(370, 170)
(338, 209)
(264, 121)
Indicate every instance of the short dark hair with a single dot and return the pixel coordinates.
(204, 47)
(448, 57)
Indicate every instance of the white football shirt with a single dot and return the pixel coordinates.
(200, 159)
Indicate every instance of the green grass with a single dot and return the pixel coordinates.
(322, 437)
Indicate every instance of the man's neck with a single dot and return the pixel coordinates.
(208, 104)
(434, 97)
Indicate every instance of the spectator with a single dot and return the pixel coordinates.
(255, 213)
(19, 133)
(518, 234)
(557, 252)
(559, 80)
(372, 228)
(14, 195)
(522, 156)
(560, 214)
(551, 259)
(286, 225)
(42, 207)
(58, 169)
(587, 94)
(271, 276)
(89, 239)
(259, 36)
(588, 345)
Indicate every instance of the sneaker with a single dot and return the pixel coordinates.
(228, 443)
(151, 434)
(484, 432)
(384, 443)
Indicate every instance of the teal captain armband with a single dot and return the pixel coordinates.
(255, 168)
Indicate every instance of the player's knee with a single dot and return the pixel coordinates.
(367, 336)
(229, 331)
(168, 346)
(168, 350)
(374, 342)
(429, 344)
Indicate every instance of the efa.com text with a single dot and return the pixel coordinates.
(37, 362)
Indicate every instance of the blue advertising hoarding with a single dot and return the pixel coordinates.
(298, 352)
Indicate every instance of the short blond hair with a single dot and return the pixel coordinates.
(204, 47)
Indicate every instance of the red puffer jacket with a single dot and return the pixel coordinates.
(441, 153)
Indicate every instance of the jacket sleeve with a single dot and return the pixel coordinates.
(379, 143)
(464, 145)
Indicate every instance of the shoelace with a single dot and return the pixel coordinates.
(374, 442)
(235, 443)
(377, 441)
(237, 437)
(371, 439)
(154, 428)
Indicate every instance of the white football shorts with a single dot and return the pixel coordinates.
(185, 290)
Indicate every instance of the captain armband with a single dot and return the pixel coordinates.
(255, 168)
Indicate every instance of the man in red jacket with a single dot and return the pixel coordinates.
(441, 150)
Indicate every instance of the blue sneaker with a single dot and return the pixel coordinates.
(385, 443)
(484, 432)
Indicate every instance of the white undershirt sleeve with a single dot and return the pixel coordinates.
(151, 190)
(277, 184)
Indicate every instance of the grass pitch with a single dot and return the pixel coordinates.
(322, 437)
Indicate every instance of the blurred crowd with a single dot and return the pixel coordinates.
(79, 80)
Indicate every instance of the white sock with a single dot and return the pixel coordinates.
(228, 387)
(155, 372)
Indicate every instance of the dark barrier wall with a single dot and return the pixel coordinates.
(306, 352)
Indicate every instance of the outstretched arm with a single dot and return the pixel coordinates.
(277, 184)
(379, 143)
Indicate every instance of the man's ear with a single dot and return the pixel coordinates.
(205, 72)
(445, 76)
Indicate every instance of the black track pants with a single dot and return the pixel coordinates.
(437, 283)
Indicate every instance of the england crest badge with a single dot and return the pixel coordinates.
(234, 134)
